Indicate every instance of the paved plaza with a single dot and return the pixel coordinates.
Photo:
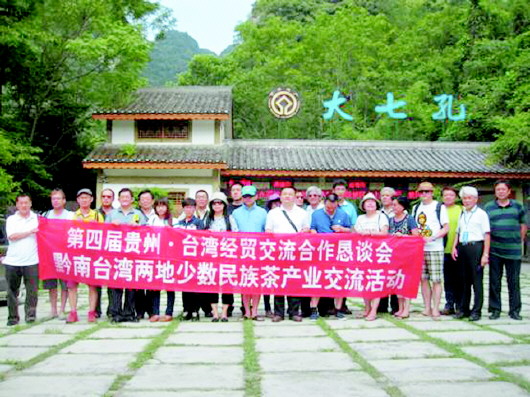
(387, 357)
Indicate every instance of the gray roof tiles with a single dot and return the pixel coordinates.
(312, 155)
(178, 100)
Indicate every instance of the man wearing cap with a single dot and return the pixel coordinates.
(288, 218)
(330, 219)
(125, 214)
(433, 223)
(21, 260)
(58, 211)
(250, 218)
(85, 214)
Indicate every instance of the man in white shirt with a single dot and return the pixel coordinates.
(471, 247)
(288, 218)
(58, 211)
(433, 223)
(21, 261)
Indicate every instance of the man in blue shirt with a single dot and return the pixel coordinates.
(250, 218)
(330, 219)
(340, 187)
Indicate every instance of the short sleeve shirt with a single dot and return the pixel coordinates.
(22, 252)
(65, 214)
(250, 219)
(277, 222)
(130, 217)
(429, 225)
(322, 222)
(475, 223)
(371, 224)
(505, 225)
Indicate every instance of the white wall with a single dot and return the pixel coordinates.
(122, 131)
(203, 132)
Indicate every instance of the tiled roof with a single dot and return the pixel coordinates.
(311, 155)
(318, 156)
(178, 100)
(157, 154)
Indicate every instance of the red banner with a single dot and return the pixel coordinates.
(163, 258)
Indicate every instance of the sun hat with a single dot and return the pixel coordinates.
(219, 196)
(369, 196)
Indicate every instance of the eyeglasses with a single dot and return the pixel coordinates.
(424, 191)
(314, 195)
(217, 203)
(106, 196)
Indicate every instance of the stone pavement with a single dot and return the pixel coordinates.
(387, 357)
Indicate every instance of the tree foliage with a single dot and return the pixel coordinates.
(61, 59)
(477, 51)
(170, 56)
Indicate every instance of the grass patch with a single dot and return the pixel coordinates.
(55, 349)
(457, 352)
(392, 390)
(250, 361)
(142, 358)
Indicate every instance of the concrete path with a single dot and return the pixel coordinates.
(352, 357)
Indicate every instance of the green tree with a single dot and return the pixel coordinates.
(63, 58)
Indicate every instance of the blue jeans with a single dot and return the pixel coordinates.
(170, 302)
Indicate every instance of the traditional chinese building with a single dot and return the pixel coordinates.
(180, 139)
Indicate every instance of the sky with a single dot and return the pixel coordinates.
(210, 22)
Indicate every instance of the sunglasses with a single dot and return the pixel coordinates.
(425, 191)
(217, 203)
(247, 196)
(315, 195)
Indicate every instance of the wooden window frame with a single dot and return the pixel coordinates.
(162, 124)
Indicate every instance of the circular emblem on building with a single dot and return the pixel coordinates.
(284, 103)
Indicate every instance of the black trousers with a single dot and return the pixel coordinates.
(143, 302)
(383, 304)
(267, 302)
(117, 311)
(471, 277)
(513, 270)
(226, 299)
(293, 306)
(451, 278)
(14, 276)
(191, 301)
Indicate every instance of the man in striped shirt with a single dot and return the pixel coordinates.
(508, 230)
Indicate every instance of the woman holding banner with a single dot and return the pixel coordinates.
(163, 218)
(218, 220)
(373, 222)
(402, 224)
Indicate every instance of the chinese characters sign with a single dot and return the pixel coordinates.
(391, 108)
(302, 264)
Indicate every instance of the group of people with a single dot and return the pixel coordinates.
(460, 240)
